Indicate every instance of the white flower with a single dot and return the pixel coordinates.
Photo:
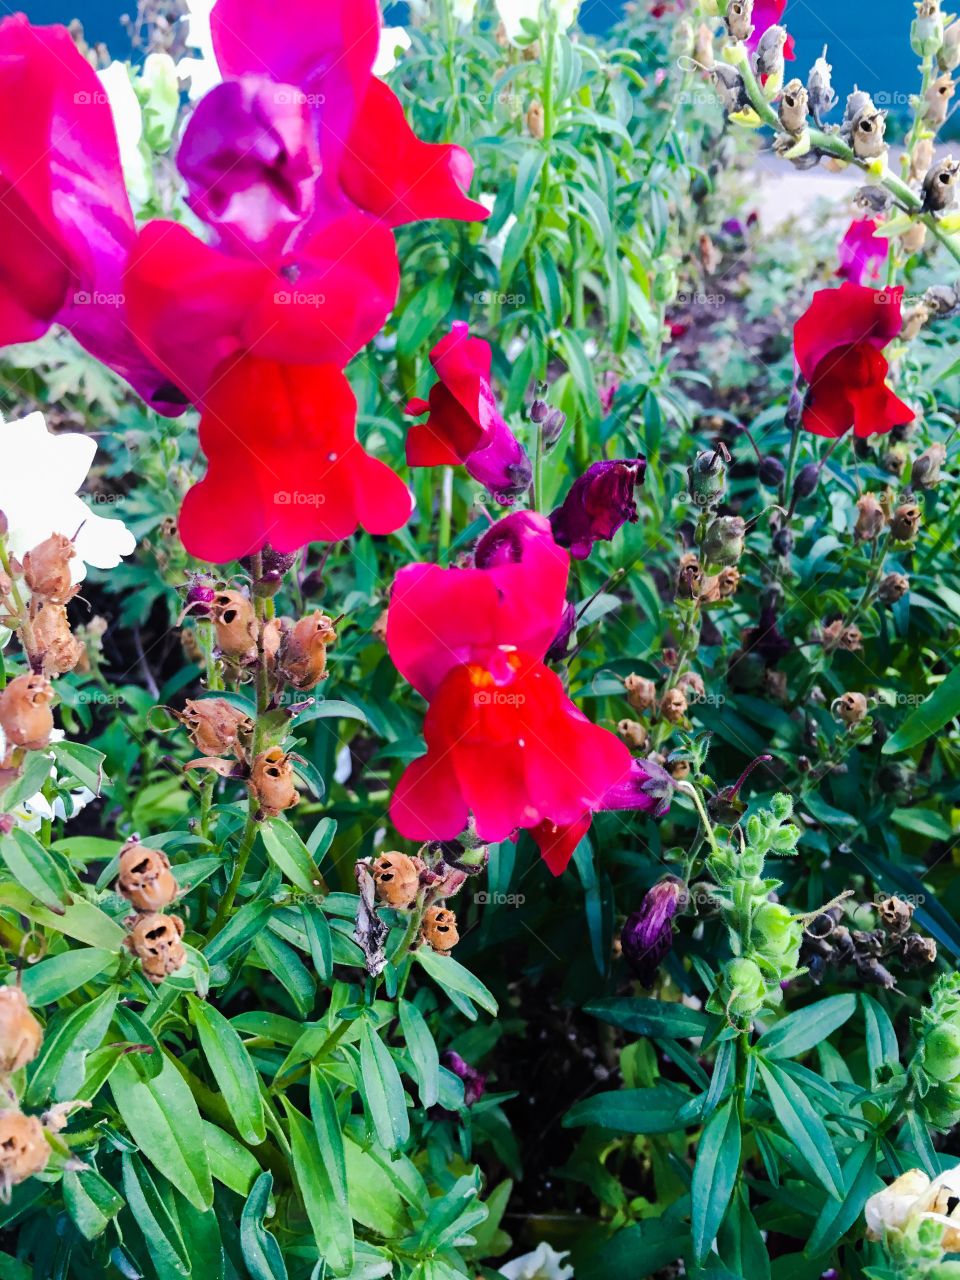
(39, 480)
(913, 1198)
(566, 11)
(31, 813)
(512, 13)
(543, 1264)
(202, 70)
(128, 122)
(463, 10)
(392, 41)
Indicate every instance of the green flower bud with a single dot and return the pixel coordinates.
(745, 988)
(926, 31)
(707, 476)
(724, 540)
(159, 93)
(777, 932)
(665, 283)
(941, 1052)
(942, 1106)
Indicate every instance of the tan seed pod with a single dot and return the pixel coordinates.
(851, 708)
(871, 519)
(46, 569)
(794, 107)
(302, 658)
(905, 523)
(155, 940)
(739, 19)
(895, 914)
(216, 727)
(145, 878)
(703, 46)
(938, 99)
(54, 647)
(25, 714)
(641, 692)
(893, 587)
(235, 623)
(679, 770)
(24, 1150)
(535, 120)
(689, 578)
(634, 734)
(868, 129)
(673, 706)
(271, 782)
(397, 879)
(921, 158)
(20, 1033)
(925, 473)
(439, 929)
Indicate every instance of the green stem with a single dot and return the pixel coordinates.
(689, 789)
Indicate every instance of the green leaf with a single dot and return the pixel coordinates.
(232, 1068)
(58, 976)
(803, 1126)
(289, 970)
(714, 1177)
(81, 920)
(650, 1017)
(81, 763)
(291, 855)
(651, 1110)
(239, 932)
(929, 718)
(34, 868)
(838, 1216)
(261, 1253)
(423, 313)
(453, 977)
(230, 1162)
(162, 1119)
(423, 1052)
(805, 1028)
(375, 1201)
(382, 1090)
(319, 939)
(332, 1227)
(59, 1070)
(160, 1229)
(36, 771)
(326, 1123)
(91, 1202)
(881, 1037)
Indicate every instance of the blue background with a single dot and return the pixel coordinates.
(874, 53)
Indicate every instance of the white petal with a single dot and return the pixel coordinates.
(391, 39)
(513, 11)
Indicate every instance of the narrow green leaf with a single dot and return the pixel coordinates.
(59, 1070)
(332, 1227)
(453, 977)
(232, 1068)
(160, 1230)
(291, 855)
(651, 1110)
(650, 1017)
(929, 718)
(714, 1177)
(838, 1216)
(423, 1052)
(803, 1126)
(319, 939)
(34, 868)
(805, 1028)
(383, 1090)
(261, 1253)
(91, 1202)
(58, 976)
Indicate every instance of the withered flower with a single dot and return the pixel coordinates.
(633, 733)
(768, 59)
(302, 656)
(216, 727)
(535, 120)
(691, 682)
(145, 878)
(397, 878)
(794, 107)
(867, 132)
(673, 706)
(439, 930)
(921, 158)
(871, 519)
(893, 587)
(235, 622)
(46, 569)
(738, 18)
(156, 941)
(940, 185)
(731, 90)
(25, 714)
(938, 100)
(820, 92)
(24, 1149)
(647, 935)
(641, 692)
(905, 523)
(917, 951)
(271, 782)
(54, 648)
(925, 473)
(837, 636)
(20, 1032)
(851, 708)
(689, 577)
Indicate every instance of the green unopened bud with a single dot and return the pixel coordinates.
(777, 932)
(745, 988)
(159, 93)
(926, 31)
(707, 476)
(942, 1106)
(941, 1052)
(723, 542)
(665, 283)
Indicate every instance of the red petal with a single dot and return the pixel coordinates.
(284, 465)
(558, 843)
(427, 804)
(391, 173)
(843, 317)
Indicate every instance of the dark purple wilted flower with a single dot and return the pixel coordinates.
(647, 935)
(474, 1081)
(200, 597)
(598, 503)
(609, 387)
(647, 788)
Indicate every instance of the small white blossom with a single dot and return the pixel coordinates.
(201, 68)
(392, 41)
(543, 1264)
(128, 122)
(912, 1199)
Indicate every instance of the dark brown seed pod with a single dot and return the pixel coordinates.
(145, 878)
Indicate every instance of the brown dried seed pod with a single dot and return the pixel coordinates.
(397, 879)
(54, 646)
(905, 523)
(868, 129)
(925, 473)
(216, 727)
(691, 682)
(439, 929)
(893, 588)
(938, 99)
(633, 733)
(916, 950)
(302, 658)
(46, 569)
(940, 185)
(145, 878)
(851, 708)
(235, 623)
(379, 628)
(794, 107)
(914, 239)
(156, 941)
(271, 782)
(921, 159)
(871, 519)
(739, 19)
(895, 914)
(20, 1033)
(679, 770)
(535, 120)
(24, 1149)
(689, 577)
(641, 692)
(673, 706)
(25, 714)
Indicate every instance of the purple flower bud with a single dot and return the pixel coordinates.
(806, 481)
(647, 788)
(199, 598)
(598, 503)
(772, 471)
(539, 410)
(552, 426)
(474, 1081)
(561, 641)
(647, 936)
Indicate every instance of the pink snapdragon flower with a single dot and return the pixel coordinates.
(861, 252)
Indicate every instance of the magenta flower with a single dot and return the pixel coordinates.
(464, 424)
(598, 503)
(861, 252)
(647, 788)
(66, 226)
(647, 935)
(474, 1081)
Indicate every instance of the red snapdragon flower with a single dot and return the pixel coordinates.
(465, 426)
(838, 343)
(301, 131)
(862, 252)
(504, 742)
(66, 226)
